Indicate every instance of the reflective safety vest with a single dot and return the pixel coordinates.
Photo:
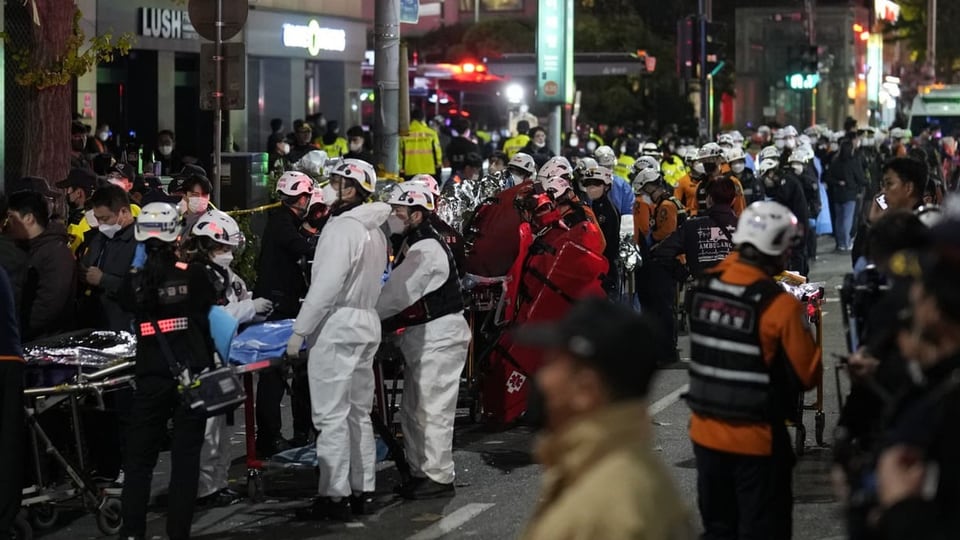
(420, 150)
(338, 149)
(729, 379)
(515, 144)
(623, 166)
(673, 170)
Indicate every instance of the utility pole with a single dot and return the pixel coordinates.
(932, 36)
(386, 74)
(702, 16)
(218, 103)
(812, 41)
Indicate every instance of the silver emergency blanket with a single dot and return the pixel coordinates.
(313, 164)
(458, 201)
(98, 349)
(629, 254)
(805, 291)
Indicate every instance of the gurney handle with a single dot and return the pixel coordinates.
(106, 371)
(78, 387)
(470, 281)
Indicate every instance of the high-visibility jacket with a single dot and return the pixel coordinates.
(686, 193)
(420, 150)
(77, 231)
(673, 169)
(338, 148)
(623, 166)
(782, 335)
(515, 144)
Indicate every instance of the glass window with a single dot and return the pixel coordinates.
(492, 5)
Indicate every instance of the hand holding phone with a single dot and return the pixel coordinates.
(882, 201)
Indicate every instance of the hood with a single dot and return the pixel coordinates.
(372, 215)
(55, 233)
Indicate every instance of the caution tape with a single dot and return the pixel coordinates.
(257, 210)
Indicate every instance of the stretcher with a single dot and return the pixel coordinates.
(63, 373)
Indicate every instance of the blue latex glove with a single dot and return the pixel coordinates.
(140, 257)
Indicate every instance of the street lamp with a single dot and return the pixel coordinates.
(514, 93)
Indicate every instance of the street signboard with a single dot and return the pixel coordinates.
(410, 11)
(555, 51)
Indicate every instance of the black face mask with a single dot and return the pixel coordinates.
(710, 168)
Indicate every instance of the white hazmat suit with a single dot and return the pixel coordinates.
(339, 320)
(434, 355)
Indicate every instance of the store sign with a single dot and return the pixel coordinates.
(166, 24)
(555, 51)
(314, 38)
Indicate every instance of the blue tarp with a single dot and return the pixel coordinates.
(824, 225)
(261, 342)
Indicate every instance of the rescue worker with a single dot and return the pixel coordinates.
(214, 241)
(170, 300)
(339, 323)
(280, 279)
(686, 189)
(596, 183)
(752, 187)
(656, 280)
(711, 156)
(621, 192)
(423, 296)
(519, 141)
(420, 151)
(626, 158)
(450, 236)
(752, 354)
(520, 168)
(707, 239)
(784, 188)
(671, 165)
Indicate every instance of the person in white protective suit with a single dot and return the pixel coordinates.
(423, 296)
(214, 239)
(339, 321)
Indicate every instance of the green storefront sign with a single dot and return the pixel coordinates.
(555, 51)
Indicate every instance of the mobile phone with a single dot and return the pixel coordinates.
(882, 201)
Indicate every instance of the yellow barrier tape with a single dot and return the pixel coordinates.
(257, 210)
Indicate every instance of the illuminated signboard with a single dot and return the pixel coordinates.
(314, 38)
(555, 51)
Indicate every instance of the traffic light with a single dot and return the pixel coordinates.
(686, 33)
(803, 81)
(716, 47)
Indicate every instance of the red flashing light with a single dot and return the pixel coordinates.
(468, 67)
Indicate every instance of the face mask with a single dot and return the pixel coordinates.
(539, 144)
(356, 147)
(591, 145)
(574, 141)
(198, 205)
(737, 167)
(77, 145)
(594, 192)
(797, 168)
(330, 195)
(646, 198)
(166, 149)
(698, 169)
(867, 142)
(710, 168)
(103, 136)
(833, 147)
(284, 149)
(395, 224)
(779, 143)
(790, 143)
(91, 219)
(223, 260)
(671, 147)
(110, 230)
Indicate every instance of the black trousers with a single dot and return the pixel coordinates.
(11, 443)
(155, 401)
(657, 294)
(746, 497)
(270, 389)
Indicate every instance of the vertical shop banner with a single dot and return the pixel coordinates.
(555, 51)
(410, 11)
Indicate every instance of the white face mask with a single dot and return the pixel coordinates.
(539, 144)
(224, 259)
(356, 147)
(166, 149)
(395, 224)
(594, 192)
(698, 169)
(103, 136)
(330, 195)
(737, 167)
(591, 145)
(779, 143)
(198, 205)
(574, 141)
(110, 230)
(797, 167)
(790, 143)
(284, 149)
(91, 219)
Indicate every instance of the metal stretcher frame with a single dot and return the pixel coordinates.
(814, 307)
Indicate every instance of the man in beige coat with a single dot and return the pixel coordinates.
(601, 477)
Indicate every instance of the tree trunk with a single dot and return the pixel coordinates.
(46, 145)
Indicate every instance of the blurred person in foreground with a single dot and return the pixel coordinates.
(602, 478)
(11, 409)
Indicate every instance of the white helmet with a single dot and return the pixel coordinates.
(802, 154)
(645, 170)
(586, 163)
(414, 194)
(769, 152)
(767, 165)
(735, 154)
(788, 131)
(650, 149)
(690, 157)
(710, 152)
(602, 174)
(317, 197)
(524, 162)
(768, 226)
(158, 220)
(555, 166)
(428, 180)
(897, 133)
(294, 184)
(359, 171)
(736, 136)
(219, 227)
(803, 140)
(556, 186)
(725, 140)
(605, 156)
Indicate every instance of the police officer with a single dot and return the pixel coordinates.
(423, 295)
(751, 355)
(420, 151)
(170, 301)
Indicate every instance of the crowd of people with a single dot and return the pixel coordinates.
(114, 247)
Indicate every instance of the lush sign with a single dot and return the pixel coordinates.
(166, 24)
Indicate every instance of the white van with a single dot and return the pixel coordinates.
(936, 104)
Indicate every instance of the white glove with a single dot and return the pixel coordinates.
(262, 306)
(294, 344)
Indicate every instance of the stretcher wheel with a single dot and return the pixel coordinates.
(110, 516)
(43, 516)
(821, 425)
(254, 487)
(22, 529)
(800, 439)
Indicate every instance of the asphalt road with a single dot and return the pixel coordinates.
(497, 480)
